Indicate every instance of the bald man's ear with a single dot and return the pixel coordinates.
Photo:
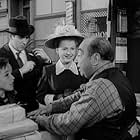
(95, 59)
(56, 50)
(12, 36)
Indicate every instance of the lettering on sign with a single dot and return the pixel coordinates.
(101, 34)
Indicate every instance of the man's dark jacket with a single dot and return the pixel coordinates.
(24, 85)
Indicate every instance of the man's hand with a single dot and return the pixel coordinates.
(67, 92)
(41, 111)
(40, 120)
(40, 52)
(27, 67)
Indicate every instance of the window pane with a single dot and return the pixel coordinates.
(58, 6)
(93, 4)
(43, 7)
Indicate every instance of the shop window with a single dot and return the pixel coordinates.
(94, 23)
(92, 27)
(58, 6)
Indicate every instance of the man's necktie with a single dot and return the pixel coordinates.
(20, 63)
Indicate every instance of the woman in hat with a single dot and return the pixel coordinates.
(61, 79)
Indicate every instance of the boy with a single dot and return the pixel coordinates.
(7, 94)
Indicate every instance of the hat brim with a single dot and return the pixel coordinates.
(12, 30)
(50, 42)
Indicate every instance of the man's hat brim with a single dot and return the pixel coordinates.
(13, 30)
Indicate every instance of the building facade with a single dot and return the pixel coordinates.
(89, 17)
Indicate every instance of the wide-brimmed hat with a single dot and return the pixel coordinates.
(62, 32)
(19, 26)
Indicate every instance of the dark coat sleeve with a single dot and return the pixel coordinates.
(43, 85)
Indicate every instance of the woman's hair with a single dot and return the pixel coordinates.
(101, 46)
(3, 62)
(57, 41)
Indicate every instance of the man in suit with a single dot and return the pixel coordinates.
(26, 66)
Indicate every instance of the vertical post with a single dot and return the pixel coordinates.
(108, 22)
(78, 14)
(13, 8)
(32, 11)
(113, 17)
(32, 15)
(69, 11)
(9, 8)
(21, 7)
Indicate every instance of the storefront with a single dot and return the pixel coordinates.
(118, 20)
(3, 21)
(45, 15)
(125, 36)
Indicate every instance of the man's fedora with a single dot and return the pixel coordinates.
(62, 32)
(19, 26)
